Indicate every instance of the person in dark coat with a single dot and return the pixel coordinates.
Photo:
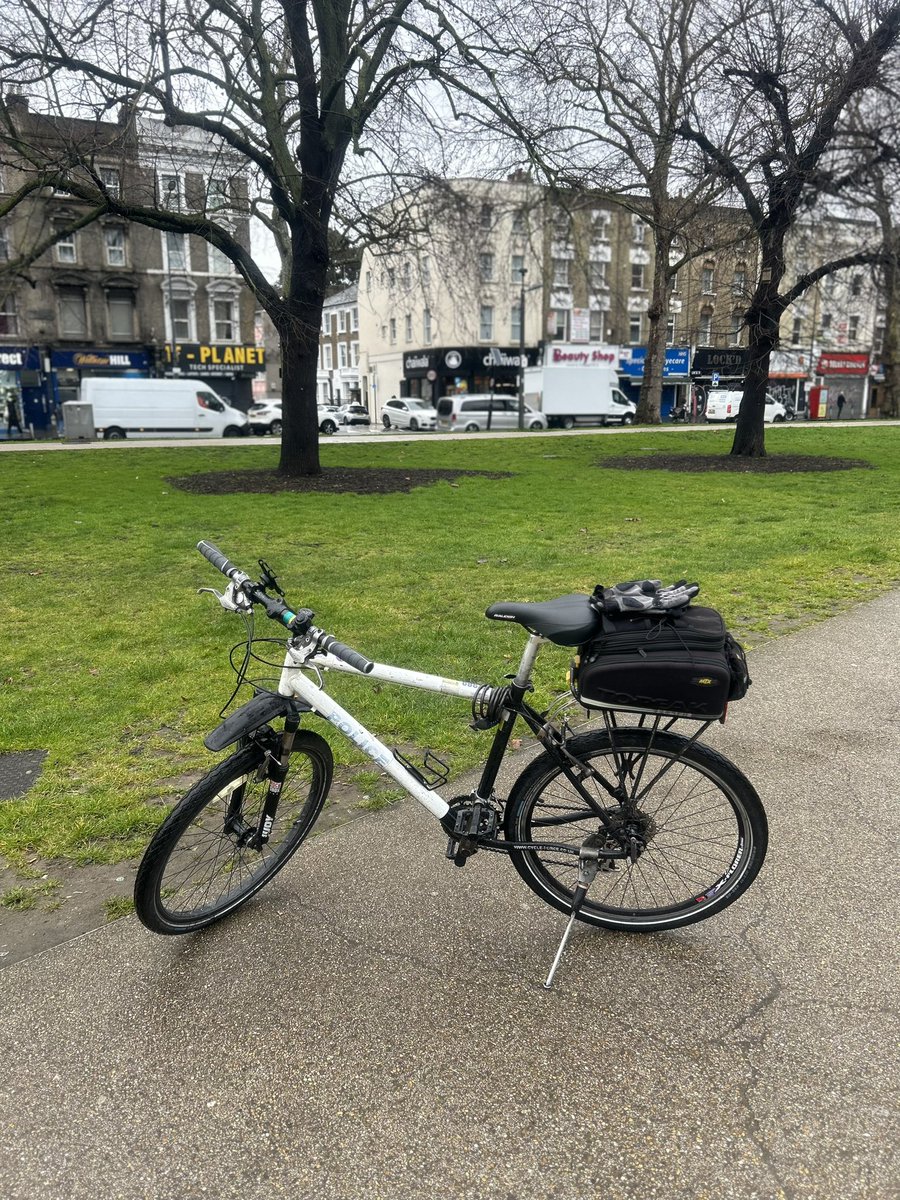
(12, 417)
(841, 401)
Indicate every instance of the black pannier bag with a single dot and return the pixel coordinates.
(681, 664)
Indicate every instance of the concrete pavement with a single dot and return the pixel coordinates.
(372, 1027)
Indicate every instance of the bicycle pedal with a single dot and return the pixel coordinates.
(475, 819)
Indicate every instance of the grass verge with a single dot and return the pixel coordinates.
(114, 664)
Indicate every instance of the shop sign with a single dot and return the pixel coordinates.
(730, 364)
(416, 362)
(467, 360)
(677, 362)
(12, 360)
(581, 356)
(197, 358)
(581, 324)
(843, 364)
(99, 360)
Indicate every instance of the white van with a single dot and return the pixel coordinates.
(160, 408)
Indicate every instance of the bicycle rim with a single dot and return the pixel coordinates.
(705, 830)
(199, 866)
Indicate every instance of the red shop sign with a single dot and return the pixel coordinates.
(843, 364)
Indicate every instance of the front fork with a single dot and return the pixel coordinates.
(274, 768)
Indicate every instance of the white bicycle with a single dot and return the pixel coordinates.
(630, 827)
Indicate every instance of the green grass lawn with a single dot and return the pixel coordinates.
(112, 662)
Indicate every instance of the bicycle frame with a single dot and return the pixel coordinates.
(294, 682)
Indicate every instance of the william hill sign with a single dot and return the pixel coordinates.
(199, 358)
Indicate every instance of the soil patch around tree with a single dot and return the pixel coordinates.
(334, 480)
(770, 464)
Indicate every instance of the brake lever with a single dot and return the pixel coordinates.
(232, 598)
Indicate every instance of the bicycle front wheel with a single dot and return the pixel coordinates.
(700, 821)
(199, 865)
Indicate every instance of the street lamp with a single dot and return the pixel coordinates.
(523, 271)
(171, 187)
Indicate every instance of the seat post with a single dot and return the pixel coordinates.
(530, 653)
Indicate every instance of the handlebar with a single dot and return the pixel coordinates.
(277, 610)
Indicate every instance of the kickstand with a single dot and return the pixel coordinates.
(588, 865)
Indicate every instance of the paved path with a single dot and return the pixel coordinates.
(373, 1025)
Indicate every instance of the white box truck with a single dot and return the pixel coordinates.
(578, 385)
(159, 408)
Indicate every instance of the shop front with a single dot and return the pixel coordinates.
(676, 375)
(228, 369)
(69, 367)
(22, 382)
(788, 379)
(451, 371)
(846, 375)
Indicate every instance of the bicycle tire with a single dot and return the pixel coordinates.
(706, 827)
(192, 853)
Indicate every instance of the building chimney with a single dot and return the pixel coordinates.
(16, 102)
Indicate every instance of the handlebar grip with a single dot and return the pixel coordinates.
(351, 657)
(217, 558)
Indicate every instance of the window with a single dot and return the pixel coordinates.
(517, 270)
(600, 225)
(181, 324)
(671, 331)
(426, 326)
(342, 320)
(217, 193)
(120, 312)
(560, 272)
(354, 354)
(795, 332)
(114, 240)
(856, 282)
(391, 277)
(597, 274)
(673, 282)
(407, 275)
(515, 323)
(737, 324)
(72, 312)
(342, 354)
(392, 326)
(219, 262)
(407, 330)
(368, 281)
(486, 216)
(704, 331)
(852, 328)
(4, 246)
(9, 318)
(877, 344)
(826, 324)
(708, 279)
(223, 320)
(562, 225)
(637, 277)
(486, 323)
(326, 323)
(176, 252)
(486, 267)
(559, 324)
(518, 221)
(65, 249)
(598, 318)
(638, 230)
(426, 270)
(170, 191)
(634, 329)
(109, 178)
(354, 320)
(327, 359)
(739, 281)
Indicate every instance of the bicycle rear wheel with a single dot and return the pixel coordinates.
(702, 822)
(198, 866)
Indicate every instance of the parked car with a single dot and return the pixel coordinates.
(474, 413)
(408, 414)
(354, 414)
(725, 406)
(265, 417)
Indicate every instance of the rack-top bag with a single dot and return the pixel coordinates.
(679, 664)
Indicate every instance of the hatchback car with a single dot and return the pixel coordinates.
(408, 414)
(725, 406)
(353, 414)
(474, 413)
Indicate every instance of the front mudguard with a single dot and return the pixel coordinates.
(264, 707)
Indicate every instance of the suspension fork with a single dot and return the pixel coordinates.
(276, 773)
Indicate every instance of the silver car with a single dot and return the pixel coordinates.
(474, 413)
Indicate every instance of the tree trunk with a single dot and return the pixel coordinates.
(648, 411)
(300, 430)
(889, 365)
(763, 318)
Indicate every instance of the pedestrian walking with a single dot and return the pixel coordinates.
(841, 401)
(12, 417)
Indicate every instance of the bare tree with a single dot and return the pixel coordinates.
(307, 97)
(776, 131)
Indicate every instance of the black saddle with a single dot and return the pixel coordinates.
(568, 621)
